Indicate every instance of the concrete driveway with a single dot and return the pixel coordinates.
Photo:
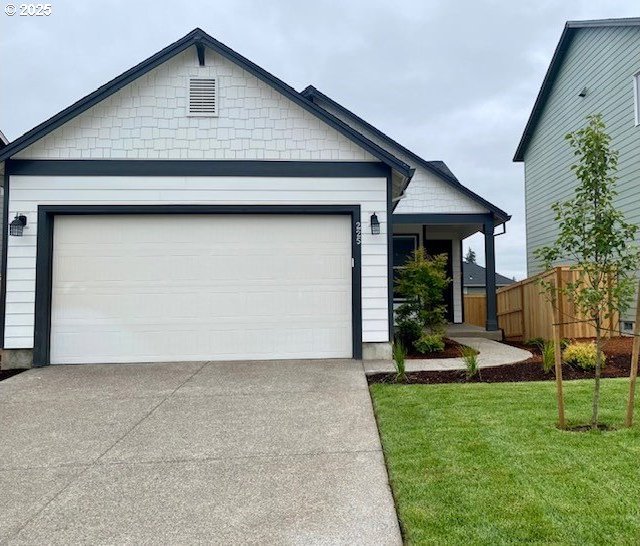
(241, 452)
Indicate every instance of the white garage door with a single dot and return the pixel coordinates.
(200, 287)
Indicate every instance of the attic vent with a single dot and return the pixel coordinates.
(202, 97)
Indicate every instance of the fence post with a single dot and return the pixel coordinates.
(522, 321)
(634, 363)
(610, 304)
(558, 355)
(560, 302)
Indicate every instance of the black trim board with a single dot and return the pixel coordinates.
(389, 226)
(124, 167)
(490, 276)
(194, 38)
(434, 167)
(461, 285)
(44, 257)
(443, 219)
(201, 55)
(5, 242)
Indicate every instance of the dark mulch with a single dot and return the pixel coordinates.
(6, 374)
(451, 350)
(618, 364)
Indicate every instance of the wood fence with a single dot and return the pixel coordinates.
(524, 311)
(475, 309)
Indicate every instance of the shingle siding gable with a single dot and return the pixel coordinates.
(147, 119)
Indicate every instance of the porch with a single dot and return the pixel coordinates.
(441, 233)
(471, 330)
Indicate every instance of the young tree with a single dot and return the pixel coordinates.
(595, 236)
(470, 257)
(421, 284)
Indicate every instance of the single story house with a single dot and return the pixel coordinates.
(474, 279)
(196, 207)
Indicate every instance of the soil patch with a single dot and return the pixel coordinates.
(618, 364)
(586, 428)
(6, 374)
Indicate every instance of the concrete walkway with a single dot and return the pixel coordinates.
(492, 353)
(225, 453)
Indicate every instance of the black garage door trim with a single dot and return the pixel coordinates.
(44, 256)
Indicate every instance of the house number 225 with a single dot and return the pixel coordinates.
(358, 233)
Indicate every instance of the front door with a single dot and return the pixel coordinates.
(433, 247)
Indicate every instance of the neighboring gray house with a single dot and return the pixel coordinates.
(474, 279)
(595, 69)
(196, 207)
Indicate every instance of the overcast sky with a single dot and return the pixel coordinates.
(450, 80)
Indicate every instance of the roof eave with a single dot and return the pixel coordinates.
(544, 91)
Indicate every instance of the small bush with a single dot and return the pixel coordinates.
(408, 331)
(548, 356)
(429, 343)
(421, 282)
(581, 355)
(399, 354)
(535, 342)
(470, 357)
(564, 343)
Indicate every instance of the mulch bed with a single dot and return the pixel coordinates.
(451, 350)
(6, 374)
(618, 364)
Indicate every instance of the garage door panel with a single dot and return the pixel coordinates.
(213, 287)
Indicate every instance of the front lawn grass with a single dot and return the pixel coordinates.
(485, 464)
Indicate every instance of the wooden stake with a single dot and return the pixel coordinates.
(558, 355)
(634, 363)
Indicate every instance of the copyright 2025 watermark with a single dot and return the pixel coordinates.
(28, 10)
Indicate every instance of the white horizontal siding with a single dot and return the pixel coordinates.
(27, 192)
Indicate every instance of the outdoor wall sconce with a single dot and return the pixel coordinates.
(375, 224)
(17, 225)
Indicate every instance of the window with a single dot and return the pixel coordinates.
(636, 96)
(403, 247)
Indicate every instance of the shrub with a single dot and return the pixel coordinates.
(399, 354)
(535, 342)
(564, 343)
(548, 351)
(408, 331)
(429, 343)
(470, 357)
(421, 282)
(582, 355)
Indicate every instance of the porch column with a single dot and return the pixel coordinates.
(490, 283)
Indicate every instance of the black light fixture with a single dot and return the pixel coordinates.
(583, 93)
(17, 225)
(375, 224)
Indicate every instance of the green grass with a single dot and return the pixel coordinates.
(484, 464)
